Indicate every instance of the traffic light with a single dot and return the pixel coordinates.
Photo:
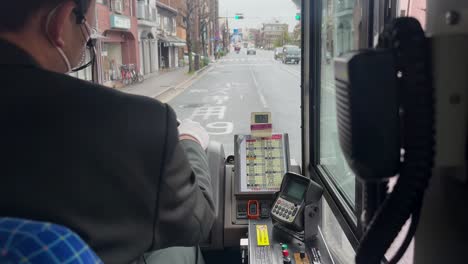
(238, 16)
(298, 16)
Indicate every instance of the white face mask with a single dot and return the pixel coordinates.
(86, 35)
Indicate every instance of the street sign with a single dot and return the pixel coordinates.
(236, 31)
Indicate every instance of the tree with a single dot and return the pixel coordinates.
(192, 9)
(296, 36)
(278, 43)
(204, 21)
(284, 39)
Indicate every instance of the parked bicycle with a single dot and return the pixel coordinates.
(130, 74)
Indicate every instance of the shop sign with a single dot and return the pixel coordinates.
(121, 22)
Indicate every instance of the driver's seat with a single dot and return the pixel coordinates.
(30, 242)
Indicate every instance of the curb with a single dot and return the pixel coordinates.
(178, 86)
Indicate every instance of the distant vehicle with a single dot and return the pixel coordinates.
(246, 44)
(252, 51)
(278, 53)
(237, 49)
(291, 54)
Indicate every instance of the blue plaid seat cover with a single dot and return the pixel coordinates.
(25, 241)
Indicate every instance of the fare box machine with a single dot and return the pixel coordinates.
(260, 162)
(268, 200)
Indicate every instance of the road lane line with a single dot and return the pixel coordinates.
(260, 94)
(297, 74)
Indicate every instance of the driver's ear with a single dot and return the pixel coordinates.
(61, 23)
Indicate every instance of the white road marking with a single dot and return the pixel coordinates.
(219, 99)
(208, 111)
(260, 94)
(198, 91)
(172, 93)
(225, 127)
(223, 91)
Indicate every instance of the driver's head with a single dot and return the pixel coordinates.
(54, 32)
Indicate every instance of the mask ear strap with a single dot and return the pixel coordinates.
(59, 50)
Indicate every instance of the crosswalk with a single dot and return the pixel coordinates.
(246, 59)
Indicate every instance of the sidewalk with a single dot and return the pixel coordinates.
(158, 83)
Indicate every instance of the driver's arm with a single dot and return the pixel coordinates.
(185, 211)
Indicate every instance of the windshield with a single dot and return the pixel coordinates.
(221, 72)
(217, 72)
(293, 52)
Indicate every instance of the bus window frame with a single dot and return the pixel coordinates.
(311, 16)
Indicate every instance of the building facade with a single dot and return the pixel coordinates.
(414, 8)
(181, 28)
(344, 29)
(273, 34)
(117, 23)
(168, 42)
(147, 16)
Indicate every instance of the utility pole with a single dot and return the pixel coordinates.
(228, 35)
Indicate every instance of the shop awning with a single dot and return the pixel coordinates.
(172, 40)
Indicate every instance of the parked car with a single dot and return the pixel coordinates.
(278, 53)
(291, 54)
(252, 51)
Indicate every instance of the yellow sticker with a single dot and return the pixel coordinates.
(262, 235)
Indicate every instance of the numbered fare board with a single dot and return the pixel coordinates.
(261, 163)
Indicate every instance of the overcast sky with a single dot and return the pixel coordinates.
(257, 12)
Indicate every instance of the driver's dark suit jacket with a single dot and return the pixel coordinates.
(106, 164)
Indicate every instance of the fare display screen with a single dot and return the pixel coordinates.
(262, 163)
(261, 119)
(295, 190)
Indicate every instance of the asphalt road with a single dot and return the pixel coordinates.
(238, 84)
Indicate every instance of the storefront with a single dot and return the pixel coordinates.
(118, 48)
(148, 53)
(169, 51)
(111, 56)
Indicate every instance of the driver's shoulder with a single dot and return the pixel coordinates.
(111, 105)
(111, 99)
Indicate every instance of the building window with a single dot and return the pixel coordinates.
(117, 6)
(337, 37)
(166, 26)
(174, 25)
